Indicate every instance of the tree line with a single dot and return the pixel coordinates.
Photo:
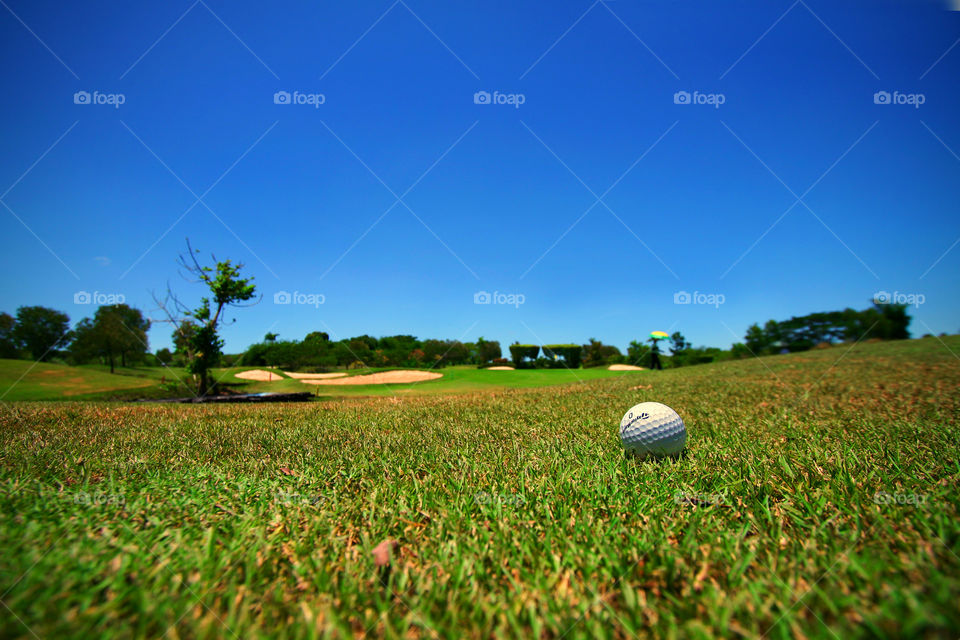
(596, 354)
(316, 351)
(116, 335)
(799, 333)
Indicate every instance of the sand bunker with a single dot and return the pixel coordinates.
(624, 367)
(394, 377)
(312, 376)
(499, 369)
(259, 375)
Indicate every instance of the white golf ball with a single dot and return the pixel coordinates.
(652, 429)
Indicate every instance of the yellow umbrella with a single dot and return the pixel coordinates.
(658, 335)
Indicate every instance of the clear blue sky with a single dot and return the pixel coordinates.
(101, 196)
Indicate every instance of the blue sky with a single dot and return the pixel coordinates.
(595, 202)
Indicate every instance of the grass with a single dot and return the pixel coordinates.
(21, 380)
(25, 380)
(456, 379)
(817, 499)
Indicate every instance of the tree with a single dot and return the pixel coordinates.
(487, 350)
(164, 356)
(636, 352)
(597, 354)
(270, 337)
(739, 351)
(228, 289)
(757, 340)
(40, 330)
(116, 331)
(9, 345)
(131, 331)
(799, 333)
(440, 353)
(678, 344)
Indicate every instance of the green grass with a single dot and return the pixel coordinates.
(20, 380)
(457, 379)
(25, 380)
(516, 512)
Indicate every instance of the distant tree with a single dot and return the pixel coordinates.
(739, 351)
(9, 345)
(597, 354)
(678, 344)
(131, 332)
(757, 341)
(487, 350)
(270, 337)
(396, 350)
(637, 353)
(456, 353)
(164, 356)
(40, 331)
(894, 321)
(358, 350)
(440, 353)
(116, 331)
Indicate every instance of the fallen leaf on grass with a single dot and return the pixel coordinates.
(286, 471)
(381, 558)
(381, 553)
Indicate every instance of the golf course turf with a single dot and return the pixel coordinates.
(817, 498)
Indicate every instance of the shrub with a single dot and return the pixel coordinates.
(568, 354)
(524, 355)
(597, 354)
